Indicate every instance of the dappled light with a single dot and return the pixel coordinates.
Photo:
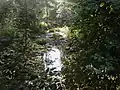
(59, 44)
(53, 55)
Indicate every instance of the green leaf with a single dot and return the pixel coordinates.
(102, 4)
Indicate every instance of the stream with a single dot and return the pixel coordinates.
(53, 55)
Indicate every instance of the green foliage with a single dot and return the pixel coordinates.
(20, 68)
(41, 41)
(93, 48)
(92, 60)
(23, 26)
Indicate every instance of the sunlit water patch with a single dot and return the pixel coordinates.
(53, 59)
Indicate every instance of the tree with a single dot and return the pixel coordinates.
(92, 52)
(22, 22)
(20, 68)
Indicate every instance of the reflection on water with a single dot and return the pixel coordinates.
(53, 59)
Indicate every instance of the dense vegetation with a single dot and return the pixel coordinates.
(91, 48)
(93, 60)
